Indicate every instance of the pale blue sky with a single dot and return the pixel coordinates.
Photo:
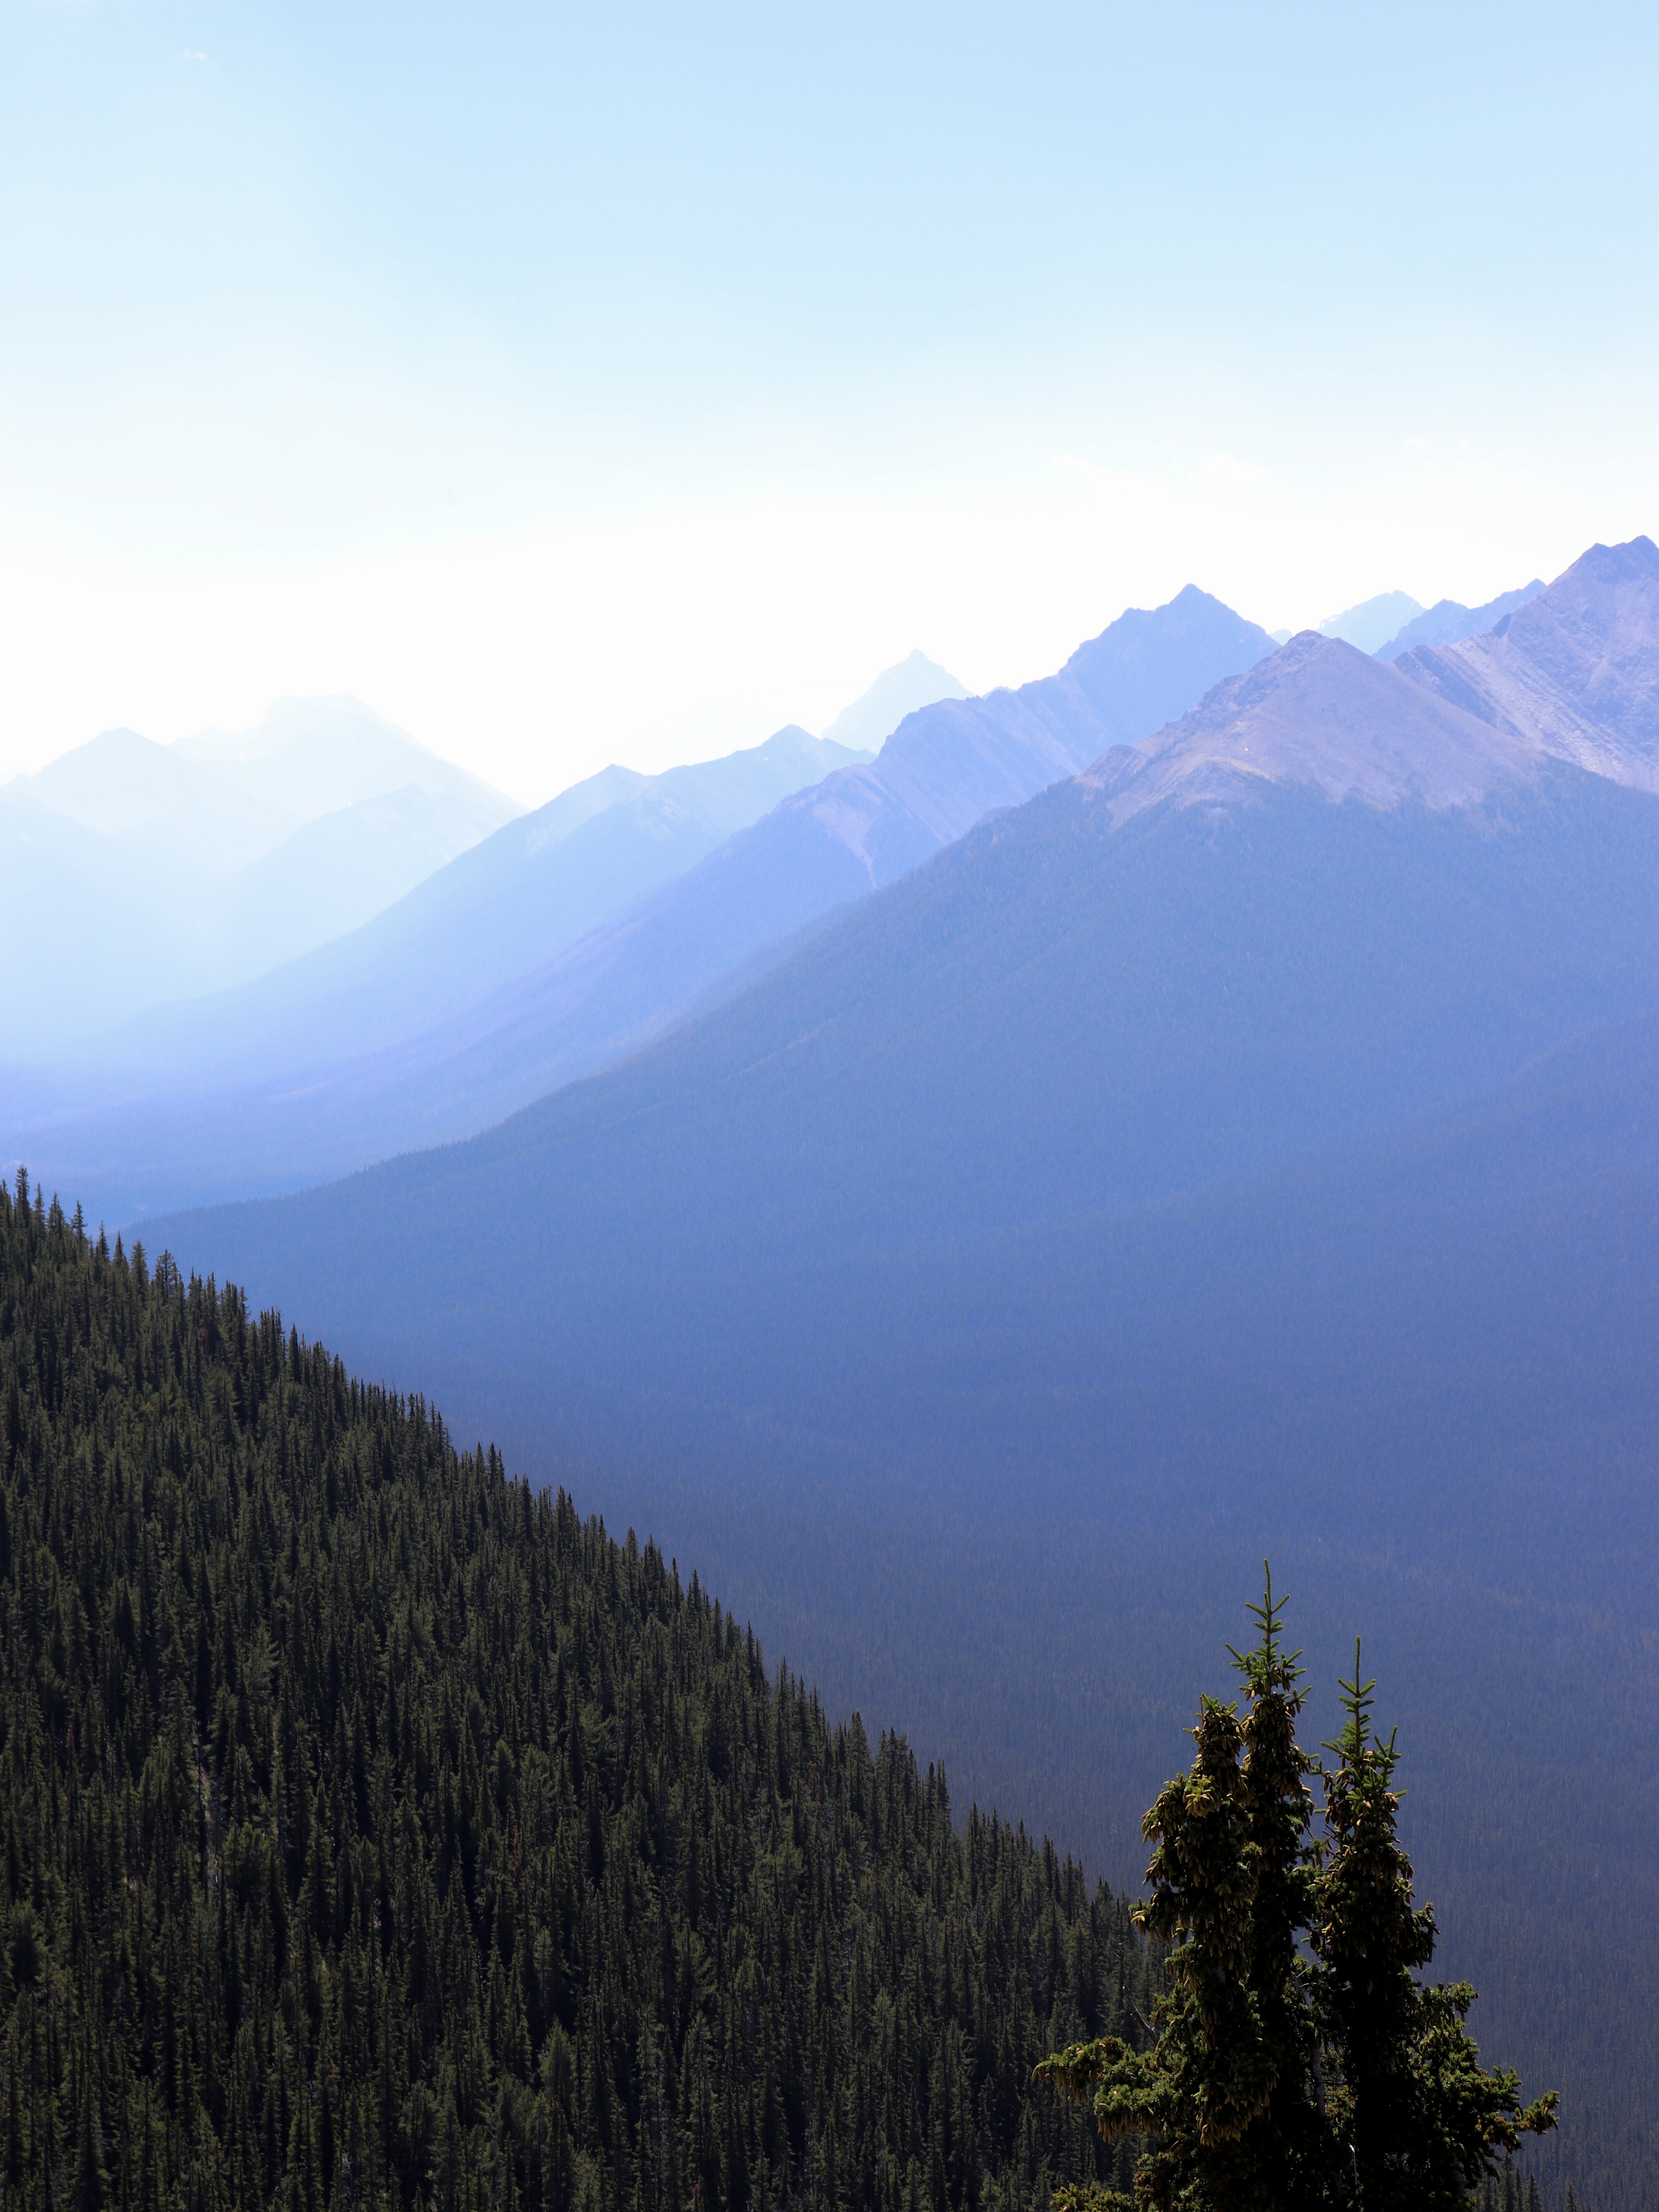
(574, 384)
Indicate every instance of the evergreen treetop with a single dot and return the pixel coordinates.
(1276, 2079)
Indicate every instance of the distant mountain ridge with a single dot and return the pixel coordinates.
(330, 1065)
(506, 907)
(1447, 621)
(267, 844)
(1322, 713)
(313, 756)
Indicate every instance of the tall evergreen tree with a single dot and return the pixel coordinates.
(1224, 2090)
(1416, 2118)
(1273, 2082)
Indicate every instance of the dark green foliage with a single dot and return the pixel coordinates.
(1278, 2083)
(1410, 2103)
(1222, 2090)
(373, 1831)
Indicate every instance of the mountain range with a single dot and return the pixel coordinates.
(286, 836)
(1246, 1144)
(525, 965)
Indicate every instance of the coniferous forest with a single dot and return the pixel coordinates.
(377, 1832)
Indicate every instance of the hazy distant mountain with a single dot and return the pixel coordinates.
(161, 806)
(491, 984)
(314, 757)
(1447, 620)
(338, 870)
(506, 906)
(198, 865)
(1373, 621)
(1574, 671)
(872, 719)
(88, 929)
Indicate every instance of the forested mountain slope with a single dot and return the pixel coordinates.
(376, 1833)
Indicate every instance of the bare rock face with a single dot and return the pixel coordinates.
(1321, 714)
(1574, 674)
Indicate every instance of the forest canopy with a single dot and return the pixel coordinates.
(376, 1832)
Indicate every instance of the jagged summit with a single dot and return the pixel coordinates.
(1574, 672)
(1316, 712)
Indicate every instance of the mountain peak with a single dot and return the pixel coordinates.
(1575, 671)
(1320, 712)
(1637, 558)
(1373, 621)
(910, 685)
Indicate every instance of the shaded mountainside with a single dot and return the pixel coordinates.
(375, 1832)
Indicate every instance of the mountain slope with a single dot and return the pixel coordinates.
(1159, 1177)
(1575, 671)
(872, 1297)
(455, 1852)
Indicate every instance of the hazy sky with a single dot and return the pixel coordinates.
(621, 382)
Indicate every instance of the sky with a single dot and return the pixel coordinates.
(586, 384)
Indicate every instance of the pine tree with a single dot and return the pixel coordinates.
(1269, 2083)
(1224, 2091)
(1415, 2117)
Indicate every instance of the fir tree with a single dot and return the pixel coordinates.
(1269, 2083)
(1224, 2091)
(1416, 2118)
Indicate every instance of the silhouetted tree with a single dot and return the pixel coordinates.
(1272, 2082)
